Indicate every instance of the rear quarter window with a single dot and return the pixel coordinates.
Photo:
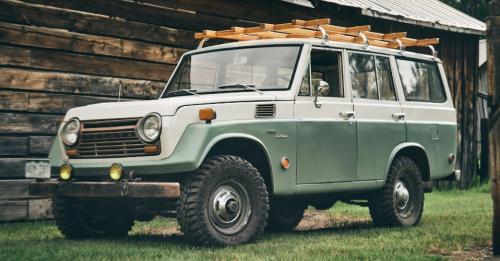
(421, 81)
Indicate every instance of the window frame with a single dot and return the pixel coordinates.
(180, 63)
(439, 73)
(342, 80)
(393, 75)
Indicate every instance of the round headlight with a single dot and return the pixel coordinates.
(149, 128)
(70, 132)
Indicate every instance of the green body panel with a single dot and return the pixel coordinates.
(376, 140)
(326, 151)
(439, 141)
(447, 145)
(319, 162)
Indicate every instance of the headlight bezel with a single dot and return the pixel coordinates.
(140, 128)
(63, 133)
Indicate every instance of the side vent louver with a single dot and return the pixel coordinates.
(265, 111)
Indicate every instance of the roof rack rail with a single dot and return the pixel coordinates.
(317, 28)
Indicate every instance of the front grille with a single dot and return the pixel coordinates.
(109, 139)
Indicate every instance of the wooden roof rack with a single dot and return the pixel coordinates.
(318, 28)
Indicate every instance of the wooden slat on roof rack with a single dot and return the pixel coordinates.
(310, 29)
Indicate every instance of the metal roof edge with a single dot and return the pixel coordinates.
(376, 14)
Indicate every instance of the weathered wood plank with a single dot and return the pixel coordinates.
(29, 123)
(135, 11)
(29, 14)
(11, 168)
(40, 145)
(33, 209)
(45, 102)
(40, 209)
(87, 64)
(28, 79)
(15, 189)
(13, 146)
(84, 43)
(12, 210)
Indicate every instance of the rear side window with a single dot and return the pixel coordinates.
(371, 77)
(421, 81)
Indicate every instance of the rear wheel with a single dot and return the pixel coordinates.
(79, 219)
(224, 202)
(284, 215)
(401, 201)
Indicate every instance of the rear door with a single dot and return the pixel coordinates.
(379, 115)
(431, 120)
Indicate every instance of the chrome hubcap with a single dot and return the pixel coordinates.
(229, 208)
(401, 195)
(226, 205)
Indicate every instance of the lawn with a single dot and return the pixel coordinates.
(455, 223)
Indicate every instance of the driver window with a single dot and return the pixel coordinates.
(327, 66)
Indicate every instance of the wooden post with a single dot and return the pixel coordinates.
(494, 130)
(495, 182)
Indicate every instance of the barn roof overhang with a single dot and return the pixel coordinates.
(428, 13)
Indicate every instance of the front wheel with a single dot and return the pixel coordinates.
(401, 201)
(224, 202)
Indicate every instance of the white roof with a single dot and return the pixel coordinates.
(428, 13)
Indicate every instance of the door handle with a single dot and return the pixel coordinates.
(347, 114)
(399, 116)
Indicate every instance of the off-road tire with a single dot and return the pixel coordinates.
(74, 225)
(382, 204)
(197, 190)
(284, 216)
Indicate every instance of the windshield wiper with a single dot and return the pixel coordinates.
(241, 86)
(180, 92)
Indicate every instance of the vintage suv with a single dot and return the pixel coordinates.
(247, 135)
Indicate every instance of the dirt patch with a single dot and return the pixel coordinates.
(472, 253)
(315, 220)
(164, 231)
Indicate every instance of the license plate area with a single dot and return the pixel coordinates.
(37, 169)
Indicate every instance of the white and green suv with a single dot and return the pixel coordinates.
(247, 135)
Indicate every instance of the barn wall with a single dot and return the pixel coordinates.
(58, 54)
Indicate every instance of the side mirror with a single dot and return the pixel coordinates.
(322, 88)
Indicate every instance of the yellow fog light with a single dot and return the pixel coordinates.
(115, 171)
(65, 172)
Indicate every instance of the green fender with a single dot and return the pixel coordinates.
(397, 149)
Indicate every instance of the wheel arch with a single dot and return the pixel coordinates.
(244, 146)
(416, 152)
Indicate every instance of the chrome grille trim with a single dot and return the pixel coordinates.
(110, 139)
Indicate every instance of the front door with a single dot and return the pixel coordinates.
(326, 132)
(379, 116)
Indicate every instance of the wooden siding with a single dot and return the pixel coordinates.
(58, 54)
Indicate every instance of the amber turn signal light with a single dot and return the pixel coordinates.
(285, 163)
(207, 114)
(72, 152)
(151, 149)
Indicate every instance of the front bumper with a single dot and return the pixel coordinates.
(106, 189)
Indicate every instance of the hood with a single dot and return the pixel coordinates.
(165, 107)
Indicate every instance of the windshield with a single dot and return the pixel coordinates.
(243, 69)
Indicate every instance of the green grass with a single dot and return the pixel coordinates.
(452, 221)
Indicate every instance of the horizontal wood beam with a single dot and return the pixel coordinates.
(85, 43)
(79, 63)
(70, 83)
